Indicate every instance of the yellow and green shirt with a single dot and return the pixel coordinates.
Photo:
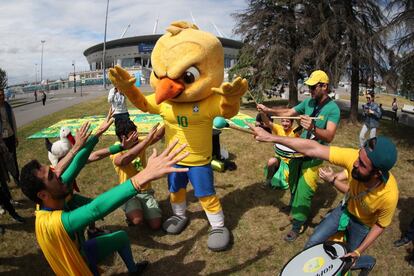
(375, 207)
(191, 123)
(131, 169)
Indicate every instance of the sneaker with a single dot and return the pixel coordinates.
(141, 266)
(291, 236)
(2, 211)
(18, 218)
(401, 242)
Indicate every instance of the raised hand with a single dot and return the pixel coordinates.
(129, 142)
(82, 135)
(106, 123)
(327, 174)
(238, 87)
(160, 165)
(121, 79)
(262, 108)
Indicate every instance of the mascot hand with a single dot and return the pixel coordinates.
(121, 79)
(238, 87)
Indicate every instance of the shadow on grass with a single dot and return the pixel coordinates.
(38, 264)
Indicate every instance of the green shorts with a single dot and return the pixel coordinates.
(146, 202)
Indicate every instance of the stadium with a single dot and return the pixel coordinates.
(134, 54)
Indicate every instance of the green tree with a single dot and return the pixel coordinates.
(276, 37)
(3, 79)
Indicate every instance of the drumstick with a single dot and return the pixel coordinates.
(248, 91)
(240, 129)
(293, 118)
(282, 228)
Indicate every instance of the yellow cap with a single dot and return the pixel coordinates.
(316, 77)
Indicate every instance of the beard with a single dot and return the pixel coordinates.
(59, 196)
(357, 175)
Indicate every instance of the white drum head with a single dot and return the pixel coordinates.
(316, 261)
(284, 148)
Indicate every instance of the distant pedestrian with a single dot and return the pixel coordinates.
(394, 107)
(371, 114)
(35, 95)
(382, 110)
(8, 131)
(43, 97)
(118, 101)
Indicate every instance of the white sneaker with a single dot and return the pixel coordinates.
(15, 203)
(2, 211)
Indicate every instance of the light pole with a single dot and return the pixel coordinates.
(74, 77)
(41, 62)
(104, 46)
(36, 73)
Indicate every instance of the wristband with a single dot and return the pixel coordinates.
(357, 252)
(115, 148)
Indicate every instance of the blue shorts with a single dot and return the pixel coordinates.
(201, 177)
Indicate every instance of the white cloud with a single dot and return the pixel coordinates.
(70, 27)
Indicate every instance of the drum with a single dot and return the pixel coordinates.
(286, 152)
(321, 259)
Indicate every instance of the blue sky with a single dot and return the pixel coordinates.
(70, 27)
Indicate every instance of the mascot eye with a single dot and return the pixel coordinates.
(155, 75)
(191, 75)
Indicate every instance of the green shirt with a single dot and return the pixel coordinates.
(330, 112)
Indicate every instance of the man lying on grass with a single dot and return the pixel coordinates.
(371, 192)
(59, 231)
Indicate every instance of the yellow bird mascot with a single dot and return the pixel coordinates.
(187, 76)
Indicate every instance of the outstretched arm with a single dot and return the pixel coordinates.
(230, 96)
(128, 157)
(157, 167)
(122, 80)
(305, 146)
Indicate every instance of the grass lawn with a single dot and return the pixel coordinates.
(252, 212)
(384, 99)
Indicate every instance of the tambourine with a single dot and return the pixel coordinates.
(321, 259)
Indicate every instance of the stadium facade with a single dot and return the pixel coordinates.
(134, 54)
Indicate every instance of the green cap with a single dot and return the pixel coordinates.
(382, 153)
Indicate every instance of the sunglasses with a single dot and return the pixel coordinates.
(313, 87)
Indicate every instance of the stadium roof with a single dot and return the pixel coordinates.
(135, 40)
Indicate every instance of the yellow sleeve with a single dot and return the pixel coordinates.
(343, 157)
(276, 129)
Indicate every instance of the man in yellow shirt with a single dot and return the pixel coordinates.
(371, 192)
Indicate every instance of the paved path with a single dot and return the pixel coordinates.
(56, 101)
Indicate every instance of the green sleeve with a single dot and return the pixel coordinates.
(79, 161)
(335, 115)
(300, 108)
(98, 208)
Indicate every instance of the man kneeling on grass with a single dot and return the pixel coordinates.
(371, 191)
(57, 230)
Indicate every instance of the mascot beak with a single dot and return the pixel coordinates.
(167, 89)
(71, 139)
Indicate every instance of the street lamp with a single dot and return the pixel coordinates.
(104, 46)
(41, 62)
(74, 77)
(35, 73)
